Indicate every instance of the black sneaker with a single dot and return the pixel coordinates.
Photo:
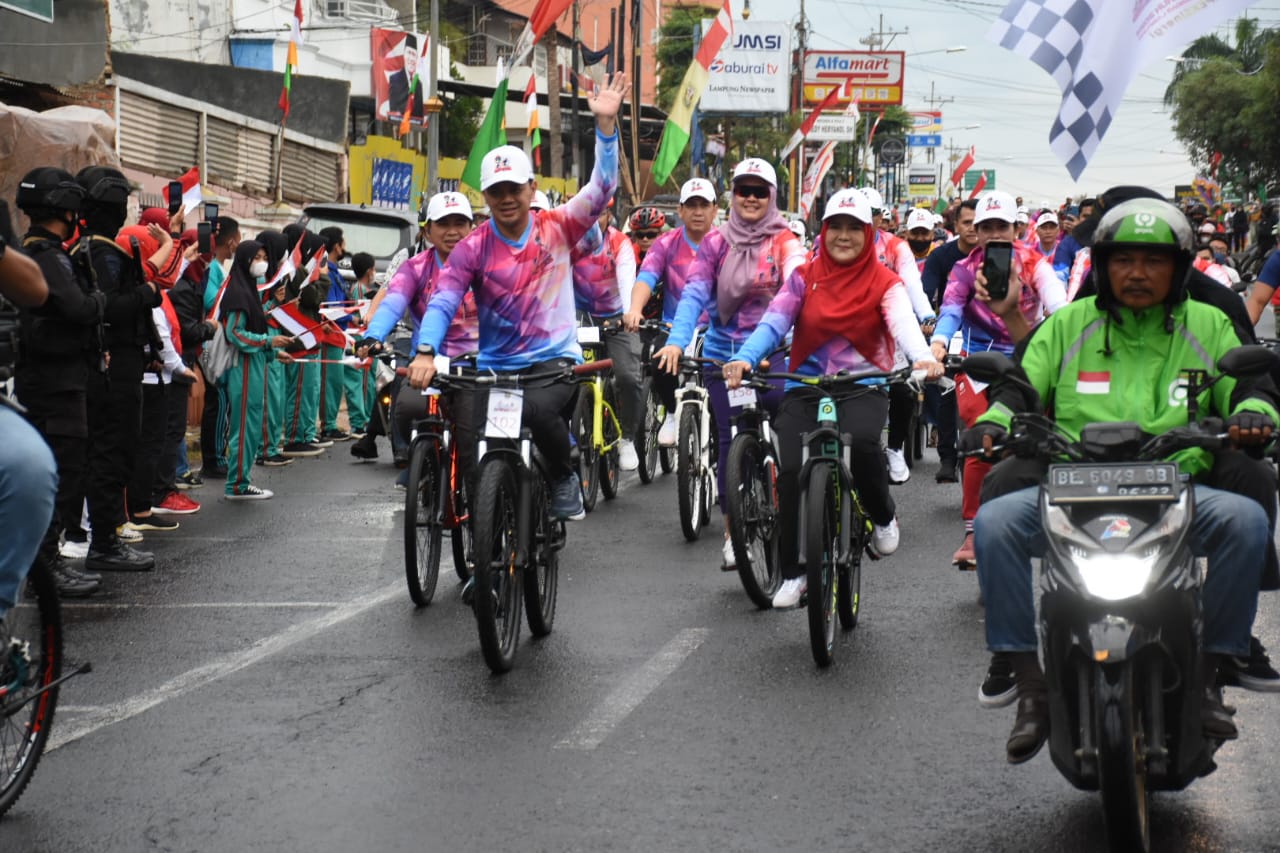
(335, 435)
(301, 448)
(115, 556)
(999, 688)
(217, 472)
(277, 460)
(1215, 718)
(322, 442)
(1252, 673)
(190, 480)
(72, 585)
(946, 471)
(365, 448)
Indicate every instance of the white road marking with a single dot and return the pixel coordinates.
(219, 668)
(197, 605)
(628, 695)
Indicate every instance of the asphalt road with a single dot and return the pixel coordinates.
(270, 687)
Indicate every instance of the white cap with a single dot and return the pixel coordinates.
(996, 205)
(540, 201)
(797, 228)
(756, 168)
(873, 197)
(505, 164)
(939, 219)
(1047, 218)
(697, 188)
(448, 204)
(848, 203)
(920, 218)
(1207, 227)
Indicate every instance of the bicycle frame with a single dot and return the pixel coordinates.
(435, 426)
(600, 407)
(694, 393)
(520, 456)
(827, 446)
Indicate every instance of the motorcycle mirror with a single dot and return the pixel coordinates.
(988, 366)
(1247, 361)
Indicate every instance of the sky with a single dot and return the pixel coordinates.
(1013, 100)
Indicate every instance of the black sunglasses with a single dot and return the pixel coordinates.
(645, 235)
(750, 191)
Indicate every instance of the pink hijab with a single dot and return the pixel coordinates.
(738, 270)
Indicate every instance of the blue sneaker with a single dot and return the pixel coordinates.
(566, 499)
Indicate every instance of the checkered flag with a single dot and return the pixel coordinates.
(1093, 49)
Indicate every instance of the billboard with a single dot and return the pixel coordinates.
(750, 74)
(926, 122)
(922, 182)
(395, 55)
(836, 127)
(873, 78)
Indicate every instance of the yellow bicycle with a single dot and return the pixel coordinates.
(595, 427)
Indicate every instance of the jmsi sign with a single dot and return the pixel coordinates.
(870, 77)
(756, 41)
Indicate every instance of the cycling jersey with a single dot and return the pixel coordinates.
(668, 260)
(604, 271)
(895, 254)
(410, 289)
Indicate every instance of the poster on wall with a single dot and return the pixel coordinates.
(392, 184)
(396, 56)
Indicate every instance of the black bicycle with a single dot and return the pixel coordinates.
(751, 493)
(653, 334)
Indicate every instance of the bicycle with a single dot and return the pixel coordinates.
(516, 541)
(696, 451)
(595, 426)
(651, 454)
(751, 494)
(834, 530)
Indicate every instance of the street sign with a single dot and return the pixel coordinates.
(971, 179)
(834, 126)
(925, 140)
(42, 9)
(873, 78)
(892, 151)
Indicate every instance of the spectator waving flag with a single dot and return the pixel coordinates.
(1093, 49)
(675, 136)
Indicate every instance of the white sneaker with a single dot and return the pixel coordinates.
(730, 562)
(789, 594)
(627, 459)
(885, 539)
(128, 534)
(251, 493)
(73, 550)
(669, 432)
(899, 473)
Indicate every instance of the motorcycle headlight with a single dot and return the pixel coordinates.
(1114, 577)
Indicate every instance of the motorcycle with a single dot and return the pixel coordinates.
(1120, 615)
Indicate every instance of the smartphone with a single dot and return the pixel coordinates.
(210, 211)
(997, 264)
(204, 237)
(175, 197)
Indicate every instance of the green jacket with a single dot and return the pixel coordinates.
(1140, 380)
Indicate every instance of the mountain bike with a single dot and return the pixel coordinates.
(695, 448)
(751, 493)
(516, 540)
(595, 426)
(653, 334)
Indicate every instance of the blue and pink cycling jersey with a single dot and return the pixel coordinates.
(410, 289)
(669, 260)
(524, 288)
(604, 271)
(778, 259)
(1042, 294)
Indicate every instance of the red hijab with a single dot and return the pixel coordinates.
(844, 301)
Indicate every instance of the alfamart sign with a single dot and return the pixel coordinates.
(872, 78)
(750, 74)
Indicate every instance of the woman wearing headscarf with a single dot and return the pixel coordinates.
(302, 374)
(849, 311)
(739, 268)
(245, 326)
(277, 246)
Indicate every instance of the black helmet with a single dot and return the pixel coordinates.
(49, 188)
(104, 186)
(1147, 223)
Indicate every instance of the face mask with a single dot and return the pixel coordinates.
(919, 245)
(1219, 258)
(258, 268)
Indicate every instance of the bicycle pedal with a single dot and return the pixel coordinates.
(965, 565)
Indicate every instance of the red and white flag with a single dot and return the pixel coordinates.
(315, 265)
(813, 178)
(979, 185)
(544, 16)
(807, 125)
(1093, 382)
(290, 319)
(191, 195)
(966, 163)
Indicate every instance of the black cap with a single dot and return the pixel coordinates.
(104, 185)
(49, 188)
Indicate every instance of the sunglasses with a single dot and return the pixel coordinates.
(645, 235)
(750, 191)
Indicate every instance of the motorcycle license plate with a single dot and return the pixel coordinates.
(1129, 481)
(506, 407)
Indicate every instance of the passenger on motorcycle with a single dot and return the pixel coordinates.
(1119, 356)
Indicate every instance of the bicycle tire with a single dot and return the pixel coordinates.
(610, 474)
(751, 504)
(460, 538)
(542, 580)
(666, 459)
(24, 732)
(849, 594)
(647, 433)
(423, 521)
(588, 458)
(820, 563)
(497, 582)
(689, 475)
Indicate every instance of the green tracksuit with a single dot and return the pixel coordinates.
(245, 381)
(302, 399)
(356, 382)
(331, 385)
(273, 416)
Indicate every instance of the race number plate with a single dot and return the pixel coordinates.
(588, 334)
(506, 405)
(742, 396)
(1127, 481)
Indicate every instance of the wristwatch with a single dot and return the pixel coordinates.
(426, 349)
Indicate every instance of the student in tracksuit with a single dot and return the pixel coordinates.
(277, 247)
(302, 375)
(332, 371)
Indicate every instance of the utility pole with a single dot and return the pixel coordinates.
(637, 31)
(797, 174)
(575, 164)
(934, 103)
(552, 46)
(433, 93)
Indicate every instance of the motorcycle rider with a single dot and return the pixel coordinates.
(1119, 356)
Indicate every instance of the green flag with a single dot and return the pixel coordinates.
(492, 133)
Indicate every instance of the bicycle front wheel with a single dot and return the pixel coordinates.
(647, 433)
(588, 456)
(751, 502)
(610, 470)
(541, 582)
(689, 474)
(34, 662)
(423, 521)
(820, 553)
(497, 577)
(461, 540)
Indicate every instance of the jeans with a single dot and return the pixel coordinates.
(28, 484)
(1229, 529)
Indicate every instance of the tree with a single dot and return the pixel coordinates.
(675, 50)
(1248, 54)
(459, 119)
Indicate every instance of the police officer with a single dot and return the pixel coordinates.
(115, 397)
(59, 349)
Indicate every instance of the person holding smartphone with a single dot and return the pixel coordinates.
(975, 283)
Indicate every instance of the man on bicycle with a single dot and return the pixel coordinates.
(518, 266)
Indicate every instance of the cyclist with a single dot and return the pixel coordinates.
(518, 266)
(920, 239)
(1042, 294)
(1135, 338)
(645, 225)
(847, 311)
(664, 271)
(1047, 233)
(739, 268)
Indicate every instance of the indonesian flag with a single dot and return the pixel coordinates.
(191, 195)
(291, 61)
(290, 319)
(1093, 382)
(315, 265)
(807, 125)
(675, 135)
(966, 163)
(545, 14)
(979, 185)
(288, 267)
(813, 178)
(531, 104)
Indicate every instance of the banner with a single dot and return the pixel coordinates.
(922, 183)
(750, 74)
(392, 184)
(871, 77)
(395, 56)
(927, 121)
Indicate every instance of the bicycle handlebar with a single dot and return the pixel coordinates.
(829, 380)
(465, 380)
